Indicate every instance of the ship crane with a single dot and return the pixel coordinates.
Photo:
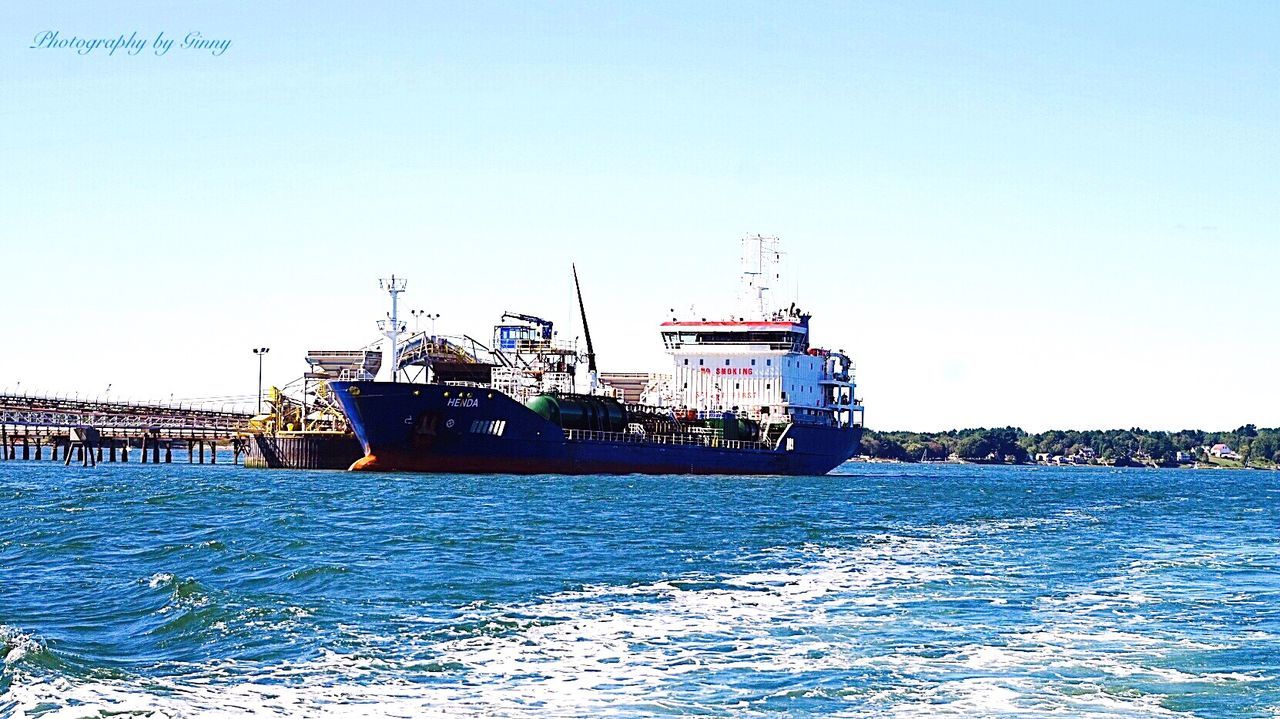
(592, 374)
(544, 325)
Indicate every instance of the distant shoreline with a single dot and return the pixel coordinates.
(1246, 447)
(1068, 465)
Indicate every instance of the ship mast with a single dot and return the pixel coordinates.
(760, 260)
(391, 327)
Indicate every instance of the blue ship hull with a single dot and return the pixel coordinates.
(444, 428)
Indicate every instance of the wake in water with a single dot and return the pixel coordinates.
(902, 592)
(952, 620)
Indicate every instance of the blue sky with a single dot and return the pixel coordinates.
(1047, 215)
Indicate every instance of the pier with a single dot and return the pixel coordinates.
(36, 428)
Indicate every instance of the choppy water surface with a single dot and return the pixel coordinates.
(888, 591)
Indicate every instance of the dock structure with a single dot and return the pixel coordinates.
(38, 428)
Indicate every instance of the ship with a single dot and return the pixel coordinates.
(746, 394)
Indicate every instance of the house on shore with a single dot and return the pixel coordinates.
(1083, 455)
(1222, 451)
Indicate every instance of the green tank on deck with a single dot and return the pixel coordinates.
(580, 411)
(736, 427)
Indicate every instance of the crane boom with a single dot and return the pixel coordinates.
(586, 330)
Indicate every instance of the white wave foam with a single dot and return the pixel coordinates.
(840, 625)
(160, 579)
(16, 644)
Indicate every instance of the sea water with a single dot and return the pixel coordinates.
(882, 590)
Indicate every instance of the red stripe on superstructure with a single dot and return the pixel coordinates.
(732, 324)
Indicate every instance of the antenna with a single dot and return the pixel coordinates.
(591, 352)
(760, 275)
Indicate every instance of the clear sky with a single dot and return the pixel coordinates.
(1038, 214)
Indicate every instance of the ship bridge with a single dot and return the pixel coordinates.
(764, 368)
(743, 335)
(759, 362)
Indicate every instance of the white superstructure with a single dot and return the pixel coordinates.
(760, 362)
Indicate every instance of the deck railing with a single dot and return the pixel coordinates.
(692, 440)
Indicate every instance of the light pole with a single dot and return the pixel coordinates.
(417, 319)
(260, 351)
(432, 316)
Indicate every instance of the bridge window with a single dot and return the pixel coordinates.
(793, 341)
(768, 363)
(686, 361)
(753, 363)
(699, 361)
(726, 363)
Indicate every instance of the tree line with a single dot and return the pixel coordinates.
(1110, 446)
